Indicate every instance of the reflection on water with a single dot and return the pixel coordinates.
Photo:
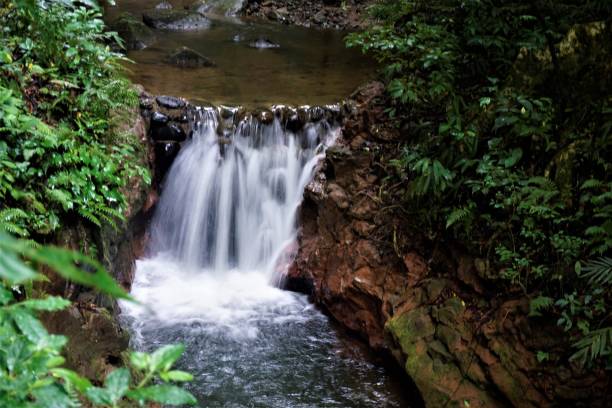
(310, 67)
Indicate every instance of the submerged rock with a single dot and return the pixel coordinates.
(135, 33)
(263, 43)
(175, 20)
(185, 57)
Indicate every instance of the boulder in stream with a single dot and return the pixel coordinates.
(185, 57)
(134, 32)
(263, 43)
(175, 20)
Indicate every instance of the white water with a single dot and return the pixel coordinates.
(225, 218)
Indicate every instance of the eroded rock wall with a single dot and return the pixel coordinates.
(461, 342)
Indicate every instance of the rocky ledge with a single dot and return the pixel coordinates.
(337, 14)
(426, 303)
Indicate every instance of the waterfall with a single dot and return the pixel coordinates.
(230, 200)
(226, 216)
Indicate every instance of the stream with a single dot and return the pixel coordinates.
(227, 218)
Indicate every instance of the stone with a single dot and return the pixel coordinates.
(416, 266)
(158, 119)
(263, 43)
(171, 102)
(134, 33)
(165, 153)
(175, 20)
(185, 57)
(169, 132)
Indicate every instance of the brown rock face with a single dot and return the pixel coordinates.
(425, 303)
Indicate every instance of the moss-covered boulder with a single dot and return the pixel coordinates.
(134, 33)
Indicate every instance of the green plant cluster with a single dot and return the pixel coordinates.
(31, 372)
(505, 109)
(61, 154)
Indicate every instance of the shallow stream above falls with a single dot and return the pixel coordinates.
(311, 66)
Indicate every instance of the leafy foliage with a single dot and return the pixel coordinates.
(59, 87)
(506, 110)
(30, 358)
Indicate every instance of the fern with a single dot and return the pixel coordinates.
(8, 218)
(90, 217)
(60, 196)
(598, 271)
(459, 215)
(594, 345)
(538, 304)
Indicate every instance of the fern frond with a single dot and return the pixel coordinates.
(8, 218)
(538, 304)
(599, 271)
(90, 216)
(60, 196)
(597, 343)
(457, 215)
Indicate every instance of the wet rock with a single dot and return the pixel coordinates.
(263, 43)
(168, 132)
(135, 33)
(185, 57)
(265, 116)
(158, 119)
(171, 102)
(165, 153)
(175, 20)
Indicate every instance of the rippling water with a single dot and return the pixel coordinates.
(250, 344)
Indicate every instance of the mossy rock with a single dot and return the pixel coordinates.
(135, 33)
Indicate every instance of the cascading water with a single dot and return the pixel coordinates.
(231, 204)
(226, 216)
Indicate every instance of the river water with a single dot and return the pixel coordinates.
(226, 217)
(311, 66)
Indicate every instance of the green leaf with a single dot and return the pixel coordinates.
(515, 156)
(50, 304)
(99, 396)
(68, 264)
(11, 267)
(71, 379)
(29, 325)
(52, 396)
(163, 358)
(163, 394)
(538, 304)
(139, 360)
(176, 375)
(117, 383)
